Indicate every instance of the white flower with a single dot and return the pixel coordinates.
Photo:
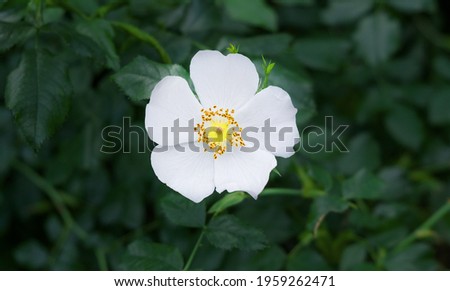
(229, 104)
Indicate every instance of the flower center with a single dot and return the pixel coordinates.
(218, 130)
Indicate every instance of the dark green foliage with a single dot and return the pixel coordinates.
(406, 127)
(146, 256)
(377, 38)
(344, 11)
(101, 32)
(325, 54)
(362, 185)
(184, 212)
(353, 257)
(323, 206)
(227, 232)
(297, 85)
(138, 78)
(13, 33)
(38, 94)
(253, 12)
(31, 249)
(75, 77)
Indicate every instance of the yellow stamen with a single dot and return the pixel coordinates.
(218, 130)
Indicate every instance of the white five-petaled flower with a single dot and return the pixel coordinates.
(229, 103)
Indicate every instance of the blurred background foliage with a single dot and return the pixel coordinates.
(380, 66)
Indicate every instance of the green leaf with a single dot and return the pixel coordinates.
(102, 33)
(228, 232)
(322, 206)
(364, 152)
(377, 101)
(309, 187)
(321, 176)
(377, 38)
(14, 11)
(144, 8)
(353, 257)
(270, 259)
(198, 17)
(38, 94)
(406, 127)
(184, 212)
(8, 148)
(363, 185)
(408, 67)
(295, 2)
(14, 33)
(297, 85)
(53, 14)
(325, 54)
(31, 254)
(144, 37)
(416, 257)
(277, 230)
(253, 12)
(307, 260)
(227, 201)
(344, 11)
(78, 43)
(148, 256)
(138, 78)
(441, 65)
(412, 6)
(439, 106)
(85, 6)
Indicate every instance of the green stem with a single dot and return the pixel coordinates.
(105, 9)
(145, 37)
(101, 259)
(431, 34)
(64, 235)
(69, 7)
(427, 225)
(54, 196)
(194, 250)
(39, 17)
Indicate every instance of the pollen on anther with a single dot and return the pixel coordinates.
(223, 120)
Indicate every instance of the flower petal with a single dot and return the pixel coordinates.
(172, 99)
(272, 105)
(226, 81)
(191, 173)
(243, 171)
